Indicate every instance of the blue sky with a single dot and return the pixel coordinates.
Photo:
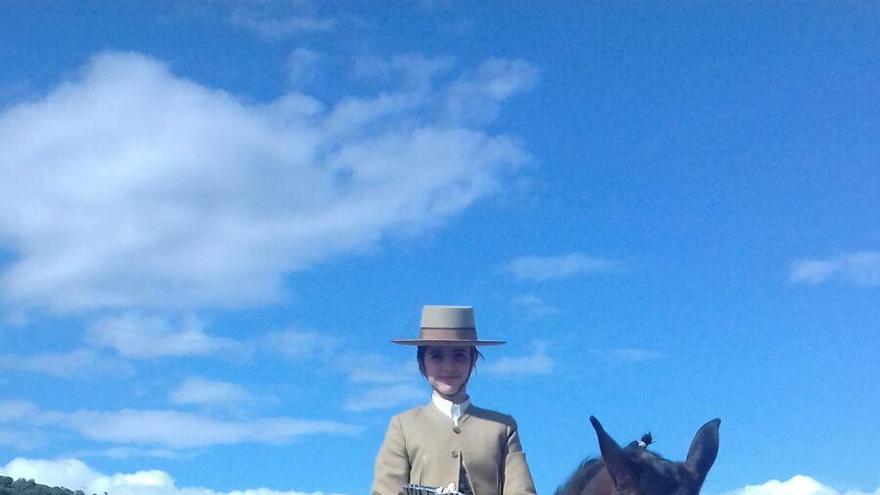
(214, 217)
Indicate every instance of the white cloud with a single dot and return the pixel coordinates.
(170, 429)
(71, 364)
(199, 391)
(381, 383)
(301, 345)
(537, 363)
(132, 452)
(23, 440)
(69, 473)
(797, 485)
(541, 268)
(16, 410)
(378, 382)
(132, 187)
(77, 475)
(178, 430)
(534, 305)
(412, 71)
(860, 268)
(141, 337)
(386, 397)
(373, 368)
(56, 364)
(476, 97)
(302, 65)
(275, 26)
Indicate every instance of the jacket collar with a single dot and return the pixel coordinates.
(449, 409)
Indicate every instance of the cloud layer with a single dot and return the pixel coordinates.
(542, 268)
(536, 363)
(77, 362)
(168, 429)
(141, 337)
(797, 485)
(203, 392)
(275, 22)
(77, 475)
(861, 268)
(129, 186)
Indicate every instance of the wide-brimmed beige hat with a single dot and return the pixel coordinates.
(447, 326)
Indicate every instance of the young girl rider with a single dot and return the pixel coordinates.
(450, 443)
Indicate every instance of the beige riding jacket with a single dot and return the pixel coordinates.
(422, 446)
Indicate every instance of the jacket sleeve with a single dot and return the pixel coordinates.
(517, 478)
(392, 462)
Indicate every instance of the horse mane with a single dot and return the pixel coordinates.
(591, 466)
(581, 476)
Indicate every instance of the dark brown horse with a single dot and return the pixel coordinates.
(634, 470)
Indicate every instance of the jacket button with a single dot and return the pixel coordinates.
(454, 454)
(456, 430)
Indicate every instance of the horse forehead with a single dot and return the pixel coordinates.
(669, 468)
(647, 457)
(662, 467)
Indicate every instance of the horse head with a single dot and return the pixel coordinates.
(634, 470)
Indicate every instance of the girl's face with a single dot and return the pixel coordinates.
(448, 368)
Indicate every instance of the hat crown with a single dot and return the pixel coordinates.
(447, 326)
(447, 317)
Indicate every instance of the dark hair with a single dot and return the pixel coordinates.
(420, 357)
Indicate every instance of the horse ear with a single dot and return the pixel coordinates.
(623, 472)
(704, 448)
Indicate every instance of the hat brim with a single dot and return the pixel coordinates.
(447, 343)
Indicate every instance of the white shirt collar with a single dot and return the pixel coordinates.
(449, 408)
